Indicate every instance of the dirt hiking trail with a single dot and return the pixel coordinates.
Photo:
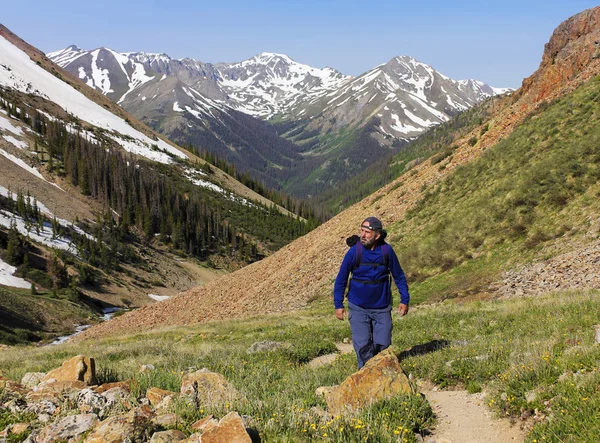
(464, 418)
(461, 417)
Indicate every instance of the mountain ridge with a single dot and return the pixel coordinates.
(321, 114)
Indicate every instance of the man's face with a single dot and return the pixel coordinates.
(367, 237)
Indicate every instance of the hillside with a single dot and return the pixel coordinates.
(532, 124)
(97, 210)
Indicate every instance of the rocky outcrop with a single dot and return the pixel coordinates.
(73, 411)
(578, 269)
(380, 378)
(573, 52)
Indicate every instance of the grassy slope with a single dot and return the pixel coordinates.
(28, 317)
(536, 188)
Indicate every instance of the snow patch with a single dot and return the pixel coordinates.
(18, 143)
(19, 72)
(8, 279)
(158, 297)
(6, 125)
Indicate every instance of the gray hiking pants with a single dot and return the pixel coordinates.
(371, 331)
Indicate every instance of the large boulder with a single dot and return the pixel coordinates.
(208, 388)
(230, 429)
(380, 378)
(68, 428)
(79, 368)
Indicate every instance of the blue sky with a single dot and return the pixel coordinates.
(497, 42)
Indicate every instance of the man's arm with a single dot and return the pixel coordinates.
(339, 287)
(400, 280)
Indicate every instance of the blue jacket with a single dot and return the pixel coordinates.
(369, 296)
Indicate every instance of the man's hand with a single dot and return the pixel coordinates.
(402, 309)
(339, 313)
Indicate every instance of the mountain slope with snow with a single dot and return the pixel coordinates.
(323, 114)
(94, 203)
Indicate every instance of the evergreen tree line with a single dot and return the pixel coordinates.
(301, 207)
(156, 200)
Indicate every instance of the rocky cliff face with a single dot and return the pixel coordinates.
(571, 55)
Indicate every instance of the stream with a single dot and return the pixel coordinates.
(107, 314)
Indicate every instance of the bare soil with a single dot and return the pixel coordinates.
(464, 418)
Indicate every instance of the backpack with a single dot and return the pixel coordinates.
(385, 249)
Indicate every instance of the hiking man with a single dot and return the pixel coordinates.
(370, 261)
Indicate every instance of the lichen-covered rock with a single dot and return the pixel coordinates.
(55, 390)
(134, 426)
(380, 378)
(32, 379)
(167, 436)
(267, 346)
(230, 429)
(68, 428)
(78, 368)
(156, 395)
(209, 388)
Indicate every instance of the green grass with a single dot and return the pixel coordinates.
(539, 184)
(532, 356)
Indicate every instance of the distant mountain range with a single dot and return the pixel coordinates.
(324, 116)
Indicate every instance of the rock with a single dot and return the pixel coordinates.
(146, 368)
(530, 396)
(79, 368)
(597, 334)
(380, 378)
(266, 346)
(12, 386)
(32, 379)
(68, 428)
(46, 407)
(117, 397)
(167, 436)
(133, 426)
(167, 420)
(230, 429)
(208, 388)
(194, 438)
(156, 395)
(89, 401)
(125, 385)
(55, 391)
(204, 423)
(322, 391)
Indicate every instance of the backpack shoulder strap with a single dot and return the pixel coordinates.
(358, 254)
(385, 249)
